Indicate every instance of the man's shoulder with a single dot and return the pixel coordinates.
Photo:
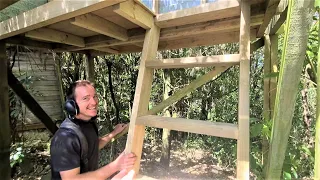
(64, 137)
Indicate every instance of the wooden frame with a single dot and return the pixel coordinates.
(213, 74)
(55, 11)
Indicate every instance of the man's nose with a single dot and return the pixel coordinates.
(93, 101)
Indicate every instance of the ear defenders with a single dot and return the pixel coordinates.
(72, 107)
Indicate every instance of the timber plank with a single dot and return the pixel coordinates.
(5, 131)
(199, 61)
(270, 12)
(243, 143)
(142, 95)
(216, 129)
(101, 25)
(53, 35)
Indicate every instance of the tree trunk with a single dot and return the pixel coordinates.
(90, 68)
(5, 169)
(299, 19)
(166, 139)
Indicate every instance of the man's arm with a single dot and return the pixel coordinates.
(107, 138)
(121, 163)
(102, 173)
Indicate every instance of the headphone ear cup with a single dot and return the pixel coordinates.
(72, 107)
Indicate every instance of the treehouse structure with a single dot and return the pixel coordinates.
(98, 27)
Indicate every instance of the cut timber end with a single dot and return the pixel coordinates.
(134, 13)
(225, 130)
(200, 61)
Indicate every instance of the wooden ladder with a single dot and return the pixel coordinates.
(142, 117)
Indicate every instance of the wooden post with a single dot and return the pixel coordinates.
(155, 6)
(57, 65)
(244, 88)
(90, 68)
(5, 134)
(269, 85)
(142, 95)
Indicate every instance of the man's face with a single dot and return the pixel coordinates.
(87, 101)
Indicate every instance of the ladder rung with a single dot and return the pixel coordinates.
(199, 61)
(225, 130)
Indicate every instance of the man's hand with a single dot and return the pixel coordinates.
(125, 161)
(119, 128)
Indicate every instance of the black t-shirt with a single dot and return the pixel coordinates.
(65, 148)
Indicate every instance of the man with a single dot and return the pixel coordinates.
(65, 146)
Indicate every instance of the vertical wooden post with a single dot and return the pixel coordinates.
(155, 6)
(274, 69)
(5, 135)
(90, 68)
(142, 94)
(57, 65)
(269, 85)
(244, 88)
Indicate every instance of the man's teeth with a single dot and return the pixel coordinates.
(92, 108)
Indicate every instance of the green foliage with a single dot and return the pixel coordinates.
(16, 155)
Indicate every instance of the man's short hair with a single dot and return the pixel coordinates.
(72, 88)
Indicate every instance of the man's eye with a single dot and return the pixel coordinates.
(85, 98)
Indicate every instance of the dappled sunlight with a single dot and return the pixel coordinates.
(190, 163)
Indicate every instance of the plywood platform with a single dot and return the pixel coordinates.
(118, 26)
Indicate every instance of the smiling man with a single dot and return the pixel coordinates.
(66, 148)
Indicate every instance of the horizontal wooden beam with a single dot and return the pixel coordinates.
(256, 45)
(216, 26)
(271, 10)
(101, 25)
(31, 103)
(205, 12)
(225, 130)
(23, 41)
(134, 13)
(107, 50)
(187, 89)
(52, 35)
(200, 61)
(50, 13)
(203, 40)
